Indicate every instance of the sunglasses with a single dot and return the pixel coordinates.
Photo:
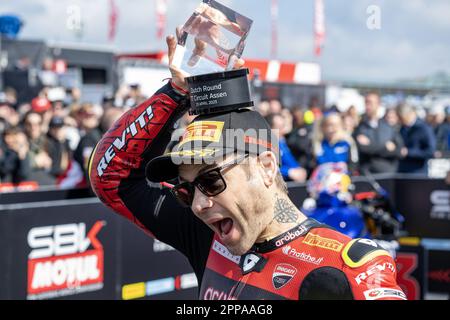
(210, 183)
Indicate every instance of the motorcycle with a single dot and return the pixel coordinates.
(370, 215)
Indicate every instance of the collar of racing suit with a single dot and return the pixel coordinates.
(286, 237)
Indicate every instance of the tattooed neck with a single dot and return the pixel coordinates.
(284, 211)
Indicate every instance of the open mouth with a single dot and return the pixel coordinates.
(223, 227)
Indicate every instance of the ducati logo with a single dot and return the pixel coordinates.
(252, 262)
(282, 274)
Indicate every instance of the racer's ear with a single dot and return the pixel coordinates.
(267, 167)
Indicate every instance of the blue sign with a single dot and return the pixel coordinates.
(10, 26)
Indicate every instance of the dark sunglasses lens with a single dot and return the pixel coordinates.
(183, 194)
(211, 183)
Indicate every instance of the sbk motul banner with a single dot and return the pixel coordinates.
(80, 249)
(61, 263)
(59, 251)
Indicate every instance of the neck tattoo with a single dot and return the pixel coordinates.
(284, 211)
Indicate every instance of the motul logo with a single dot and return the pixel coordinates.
(59, 259)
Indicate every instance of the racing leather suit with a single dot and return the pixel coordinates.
(310, 261)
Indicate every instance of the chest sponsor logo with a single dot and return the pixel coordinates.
(302, 256)
(380, 293)
(378, 268)
(282, 274)
(341, 149)
(326, 243)
(289, 236)
(223, 251)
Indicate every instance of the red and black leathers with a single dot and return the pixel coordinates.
(310, 261)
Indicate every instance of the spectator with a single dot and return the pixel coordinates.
(275, 106)
(111, 115)
(353, 113)
(7, 112)
(40, 161)
(14, 157)
(331, 143)
(41, 105)
(89, 116)
(58, 148)
(437, 120)
(108, 101)
(378, 143)
(349, 123)
(73, 95)
(290, 168)
(418, 139)
(288, 121)
(22, 64)
(299, 139)
(391, 118)
(47, 75)
(136, 95)
(11, 96)
(264, 108)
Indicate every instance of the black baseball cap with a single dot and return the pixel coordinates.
(56, 122)
(209, 138)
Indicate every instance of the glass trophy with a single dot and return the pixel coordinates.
(209, 44)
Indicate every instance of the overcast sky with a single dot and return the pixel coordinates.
(413, 41)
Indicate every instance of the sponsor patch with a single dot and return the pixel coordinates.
(380, 293)
(378, 268)
(290, 236)
(203, 131)
(322, 242)
(306, 257)
(282, 274)
(133, 291)
(223, 251)
(160, 286)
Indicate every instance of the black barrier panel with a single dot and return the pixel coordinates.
(79, 249)
(154, 266)
(439, 271)
(425, 204)
(47, 194)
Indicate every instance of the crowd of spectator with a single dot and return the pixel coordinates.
(381, 140)
(49, 139)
